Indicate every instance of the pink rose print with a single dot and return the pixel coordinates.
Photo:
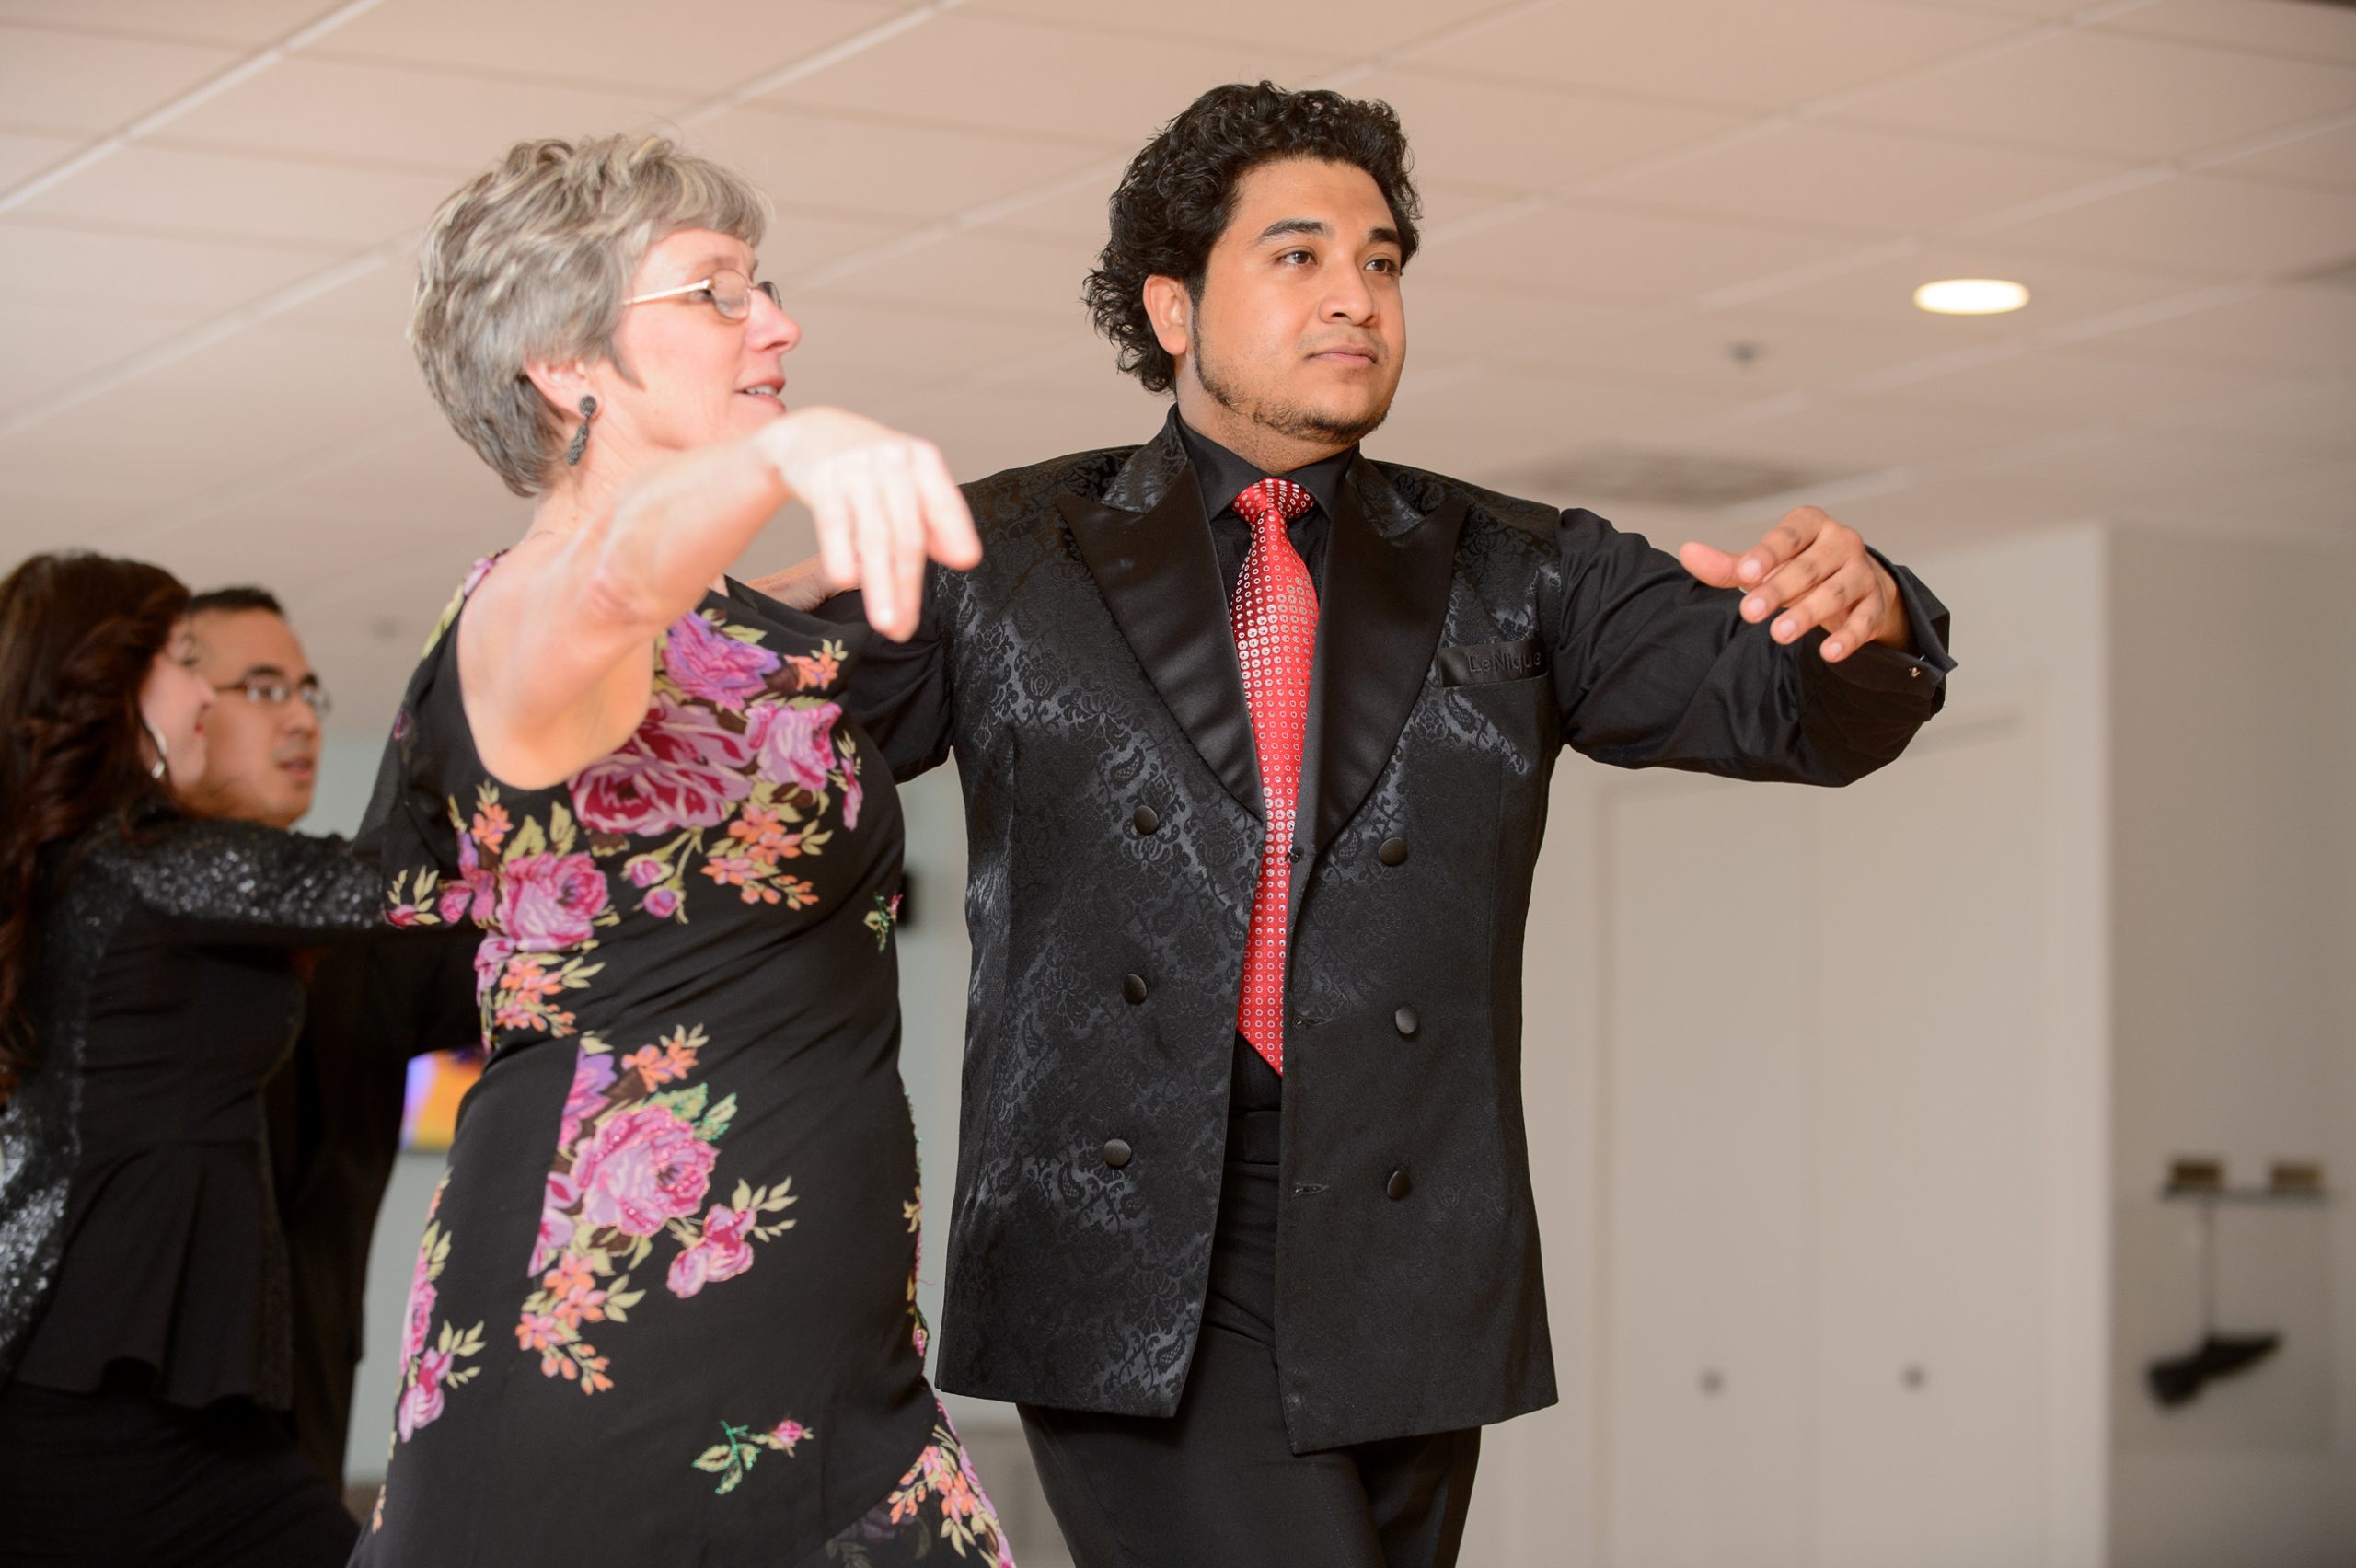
(718, 669)
(421, 1405)
(420, 1310)
(491, 960)
(640, 1168)
(662, 903)
(473, 890)
(592, 1076)
(556, 1220)
(550, 902)
(796, 745)
(681, 769)
(645, 870)
(790, 1432)
(724, 1253)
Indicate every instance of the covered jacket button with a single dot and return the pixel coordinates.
(1393, 852)
(1398, 1186)
(1144, 820)
(1133, 987)
(1407, 1022)
(1116, 1154)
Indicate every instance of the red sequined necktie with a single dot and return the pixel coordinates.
(1275, 637)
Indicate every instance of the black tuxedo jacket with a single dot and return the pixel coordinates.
(1086, 677)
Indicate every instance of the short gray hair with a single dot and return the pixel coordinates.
(531, 261)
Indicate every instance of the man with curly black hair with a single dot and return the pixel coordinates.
(1256, 735)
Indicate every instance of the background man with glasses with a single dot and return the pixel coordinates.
(333, 1112)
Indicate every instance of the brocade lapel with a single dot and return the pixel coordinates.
(1387, 574)
(1151, 552)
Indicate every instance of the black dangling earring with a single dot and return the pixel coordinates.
(581, 437)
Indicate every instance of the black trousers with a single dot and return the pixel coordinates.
(1219, 1481)
(119, 1477)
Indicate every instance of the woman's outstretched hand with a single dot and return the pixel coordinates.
(884, 502)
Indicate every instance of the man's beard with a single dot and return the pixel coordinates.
(1289, 420)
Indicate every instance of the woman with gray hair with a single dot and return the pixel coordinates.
(664, 1310)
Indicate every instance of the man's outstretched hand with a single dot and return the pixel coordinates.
(1815, 572)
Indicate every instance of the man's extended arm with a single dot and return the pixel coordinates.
(1655, 667)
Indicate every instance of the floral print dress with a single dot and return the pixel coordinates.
(663, 1309)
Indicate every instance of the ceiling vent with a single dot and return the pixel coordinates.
(1653, 476)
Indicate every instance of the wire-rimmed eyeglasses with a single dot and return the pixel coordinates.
(727, 291)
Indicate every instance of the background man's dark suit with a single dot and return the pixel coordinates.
(1086, 677)
(333, 1111)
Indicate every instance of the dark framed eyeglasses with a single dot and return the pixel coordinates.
(727, 291)
(269, 691)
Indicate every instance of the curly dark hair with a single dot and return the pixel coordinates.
(1179, 193)
(78, 633)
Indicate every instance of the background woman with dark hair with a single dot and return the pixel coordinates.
(142, 1289)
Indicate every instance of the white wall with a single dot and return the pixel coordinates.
(2029, 629)
(2233, 717)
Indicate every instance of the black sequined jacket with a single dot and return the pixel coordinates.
(136, 1219)
(1086, 678)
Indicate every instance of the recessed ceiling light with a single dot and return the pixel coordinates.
(1971, 296)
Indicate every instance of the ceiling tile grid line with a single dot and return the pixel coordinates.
(333, 277)
(2137, 266)
(171, 351)
(113, 376)
(202, 94)
(1867, 256)
(834, 54)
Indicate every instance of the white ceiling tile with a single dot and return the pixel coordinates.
(246, 197)
(1078, 212)
(48, 346)
(405, 116)
(1945, 512)
(1111, 90)
(1448, 320)
(72, 266)
(60, 512)
(23, 154)
(259, 397)
(1736, 52)
(2297, 330)
(2316, 420)
(605, 41)
(1873, 182)
(1014, 429)
(983, 273)
(1546, 411)
(1783, 352)
(374, 304)
(86, 82)
(2231, 227)
(1367, 28)
(1530, 137)
(875, 168)
(2130, 97)
(2039, 10)
(2325, 159)
(2309, 31)
(244, 23)
(799, 242)
(1595, 248)
(2072, 386)
(2060, 289)
(1861, 434)
(856, 353)
(2105, 473)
